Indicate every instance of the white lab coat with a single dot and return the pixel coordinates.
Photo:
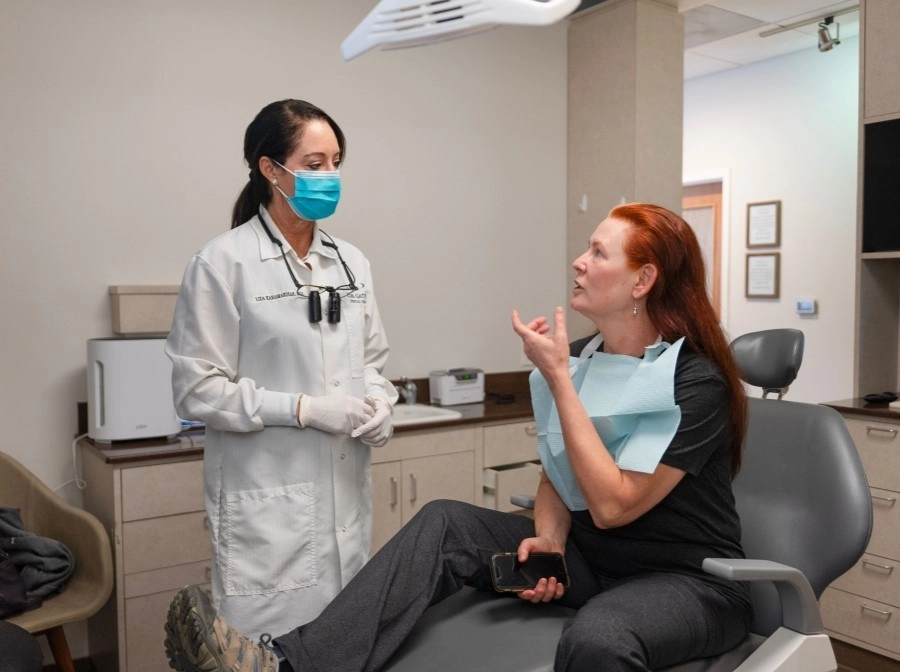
(290, 509)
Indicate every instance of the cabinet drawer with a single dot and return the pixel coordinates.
(878, 444)
(501, 484)
(510, 444)
(425, 443)
(873, 577)
(885, 539)
(168, 578)
(162, 490)
(164, 542)
(861, 618)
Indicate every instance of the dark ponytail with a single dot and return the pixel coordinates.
(255, 193)
(275, 132)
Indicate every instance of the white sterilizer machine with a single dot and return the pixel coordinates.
(129, 383)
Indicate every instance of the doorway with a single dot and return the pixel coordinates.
(701, 207)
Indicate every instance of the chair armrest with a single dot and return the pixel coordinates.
(799, 608)
(522, 501)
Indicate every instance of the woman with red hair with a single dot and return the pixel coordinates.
(640, 429)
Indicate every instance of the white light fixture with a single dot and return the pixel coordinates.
(826, 43)
(406, 23)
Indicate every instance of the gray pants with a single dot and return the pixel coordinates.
(19, 650)
(641, 623)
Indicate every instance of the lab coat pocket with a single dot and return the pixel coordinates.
(269, 539)
(355, 319)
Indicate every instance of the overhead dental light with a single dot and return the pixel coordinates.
(405, 23)
(825, 40)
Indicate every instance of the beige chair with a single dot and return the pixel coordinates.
(46, 514)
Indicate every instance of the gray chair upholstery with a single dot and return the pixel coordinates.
(806, 517)
(769, 359)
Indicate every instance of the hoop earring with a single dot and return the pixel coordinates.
(634, 310)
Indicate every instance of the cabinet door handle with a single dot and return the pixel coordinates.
(889, 568)
(412, 488)
(531, 430)
(205, 522)
(889, 500)
(208, 574)
(892, 432)
(393, 492)
(880, 612)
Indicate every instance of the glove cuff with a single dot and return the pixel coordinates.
(301, 410)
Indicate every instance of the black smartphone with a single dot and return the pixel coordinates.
(510, 575)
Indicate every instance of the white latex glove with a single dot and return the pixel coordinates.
(380, 427)
(335, 414)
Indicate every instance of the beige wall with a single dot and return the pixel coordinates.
(624, 115)
(786, 129)
(122, 136)
(122, 127)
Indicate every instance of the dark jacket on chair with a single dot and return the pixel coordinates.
(45, 564)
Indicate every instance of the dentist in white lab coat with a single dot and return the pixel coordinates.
(277, 345)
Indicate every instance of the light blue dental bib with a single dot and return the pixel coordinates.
(631, 403)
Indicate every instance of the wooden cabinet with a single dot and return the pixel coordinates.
(153, 509)
(510, 463)
(417, 467)
(863, 606)
(879, 58)
(878, 281)
(154, 513)
(481, 464)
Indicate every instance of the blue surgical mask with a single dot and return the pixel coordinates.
(316, 193)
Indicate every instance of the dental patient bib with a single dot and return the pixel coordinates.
(630, 401)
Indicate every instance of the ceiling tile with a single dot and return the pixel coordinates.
(849, 26)
(712, 43)
(782, 11)
(696, 65)
(749, 47)
(708, 24)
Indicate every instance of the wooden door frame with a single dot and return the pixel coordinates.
(724, 244)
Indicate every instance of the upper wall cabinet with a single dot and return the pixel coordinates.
(880, 58)
(878, 282)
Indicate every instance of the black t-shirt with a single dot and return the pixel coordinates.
(698, 518)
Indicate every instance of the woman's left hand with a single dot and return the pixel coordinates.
(549, 352)
(379, 428)
(546, 589)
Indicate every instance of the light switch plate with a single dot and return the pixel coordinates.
(806, 307)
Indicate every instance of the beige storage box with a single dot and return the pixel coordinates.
(140, 310)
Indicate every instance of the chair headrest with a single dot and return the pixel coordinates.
(769, 359)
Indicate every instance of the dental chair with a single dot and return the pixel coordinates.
(806, 516)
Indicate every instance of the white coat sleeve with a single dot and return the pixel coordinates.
(376, 350)
(203, 345)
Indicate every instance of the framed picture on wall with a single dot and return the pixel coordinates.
(762, 276)
(764, 224)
